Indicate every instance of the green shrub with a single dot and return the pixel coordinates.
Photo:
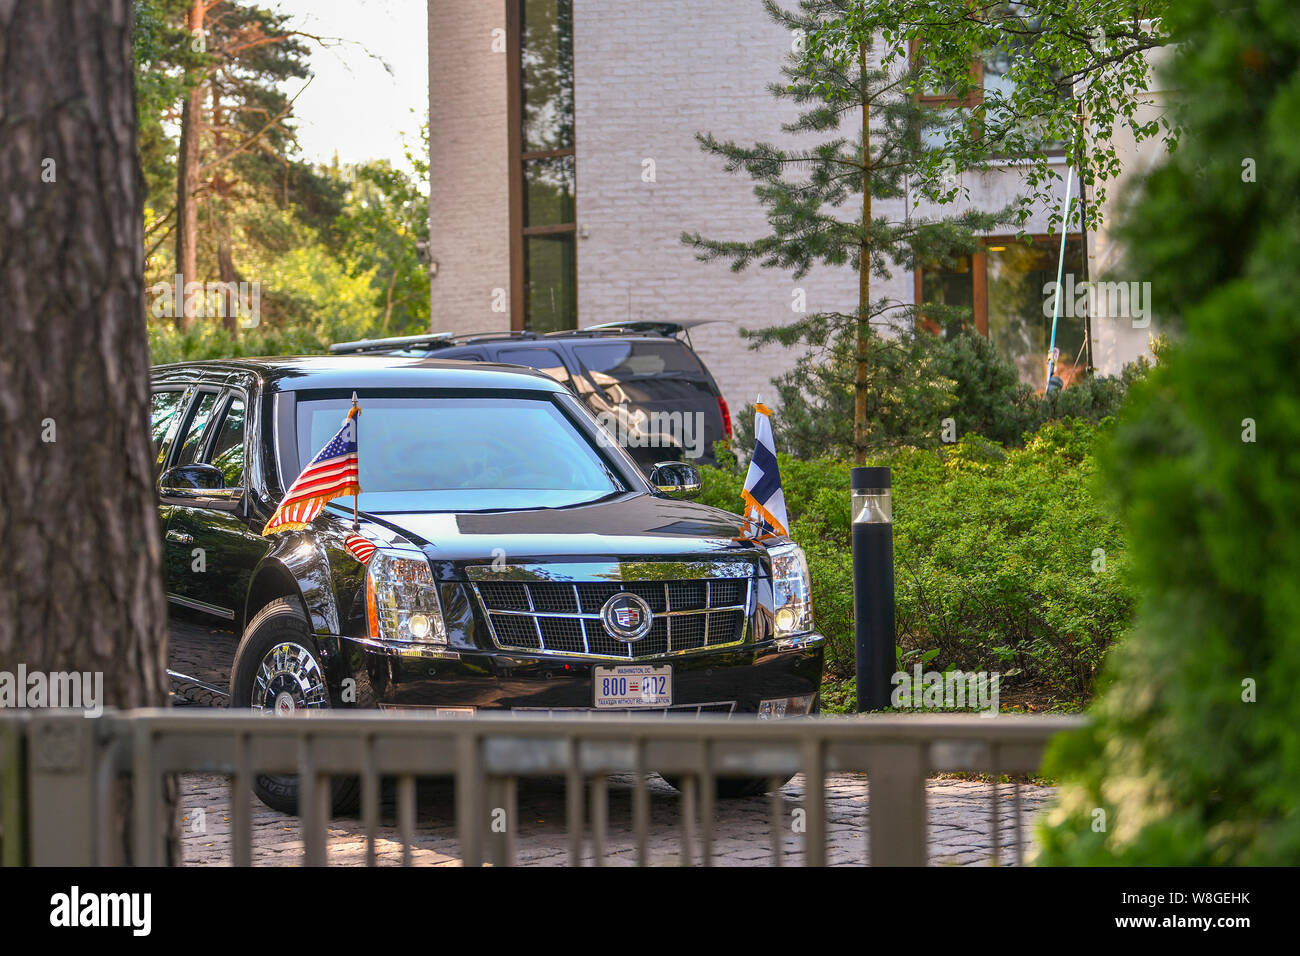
(994, 549)
(907, 399)
(917, 380)
(1193, 754)
(208, 339)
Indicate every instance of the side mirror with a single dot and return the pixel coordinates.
(676, 478)
(192, 479)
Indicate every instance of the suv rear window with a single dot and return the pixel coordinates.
(653, 375)
(627, 360)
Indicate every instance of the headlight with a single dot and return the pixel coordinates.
(791, 590)
(402, 600)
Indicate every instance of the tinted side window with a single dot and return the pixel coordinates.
(544, 360)
(164, 418)
(197, 429)
(228, 448)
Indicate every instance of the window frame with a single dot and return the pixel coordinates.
(973, 99)
(225, 499)
(164, 452)
(228, 398)
(980, 277)
(942, 100)
(518, 158)
(197, 391)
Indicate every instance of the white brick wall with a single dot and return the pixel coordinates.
(469, 201)
(649, 74)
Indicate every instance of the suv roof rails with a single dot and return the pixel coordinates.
(467, 337)
(435, 340)
(665, 327)
(432, 339)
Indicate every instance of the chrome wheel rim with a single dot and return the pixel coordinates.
(289, 679)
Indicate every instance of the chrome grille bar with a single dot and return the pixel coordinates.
(531, 595)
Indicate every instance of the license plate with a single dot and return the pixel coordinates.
(633, 685)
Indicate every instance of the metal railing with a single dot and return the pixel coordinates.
(59, 773)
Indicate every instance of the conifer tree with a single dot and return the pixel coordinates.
(823, 201)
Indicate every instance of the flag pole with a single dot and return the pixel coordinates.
(1052, 352)
(355, 415)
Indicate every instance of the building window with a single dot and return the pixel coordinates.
(988, 84)
(1008, 286)
(950, 285)
(952, 107)
(543, 249)
(1021, 278)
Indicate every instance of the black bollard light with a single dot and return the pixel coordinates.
(873, 586)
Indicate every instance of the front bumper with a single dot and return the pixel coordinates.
(739, 676)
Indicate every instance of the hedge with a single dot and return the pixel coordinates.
(1007, 560)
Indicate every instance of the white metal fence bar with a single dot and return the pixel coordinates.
(71, 764)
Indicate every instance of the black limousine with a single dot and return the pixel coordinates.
(524, 563)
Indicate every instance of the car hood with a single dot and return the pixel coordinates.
(624, 527)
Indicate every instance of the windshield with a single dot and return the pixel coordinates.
(461, 454)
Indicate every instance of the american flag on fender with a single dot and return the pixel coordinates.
(331, 474)
(360, 548)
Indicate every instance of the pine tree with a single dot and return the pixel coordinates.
(215, 69)
(819, 199)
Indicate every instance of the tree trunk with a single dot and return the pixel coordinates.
(226, 271)
(860, 384)
(229, 276)
(82, 587)
(187, 184)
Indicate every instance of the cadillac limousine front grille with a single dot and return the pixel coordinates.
(563, 617)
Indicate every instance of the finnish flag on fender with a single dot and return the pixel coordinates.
(764, 499)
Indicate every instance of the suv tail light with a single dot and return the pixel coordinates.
(726, 417)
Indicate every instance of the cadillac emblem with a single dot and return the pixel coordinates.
(626, 617)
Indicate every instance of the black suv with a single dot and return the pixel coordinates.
(642, 380)
(524, 562)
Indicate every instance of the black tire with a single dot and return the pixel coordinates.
(733, 788)
(282, 623)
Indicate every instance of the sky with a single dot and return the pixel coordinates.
(360, 102)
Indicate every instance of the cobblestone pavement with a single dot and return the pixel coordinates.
(959, 815)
